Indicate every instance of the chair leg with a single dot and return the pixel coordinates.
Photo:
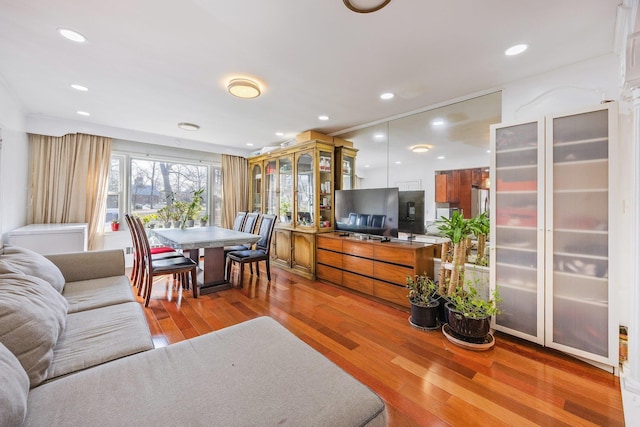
(251, 267)
(257, 268)
(268, 269)
(148, 290)
(241, 274)
(194, 281)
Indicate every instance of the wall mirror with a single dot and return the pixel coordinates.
(407, 151)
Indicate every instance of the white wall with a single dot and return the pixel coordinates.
(14, 161)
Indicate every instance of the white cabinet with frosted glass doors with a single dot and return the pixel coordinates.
(551, 237)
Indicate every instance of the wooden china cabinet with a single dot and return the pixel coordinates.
(296, 183)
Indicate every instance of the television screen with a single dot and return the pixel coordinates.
(411, 213)
(367, 211)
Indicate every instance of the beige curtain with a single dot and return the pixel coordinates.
(69, 178)
(235, 187)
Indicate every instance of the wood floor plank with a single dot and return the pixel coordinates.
(423, 378)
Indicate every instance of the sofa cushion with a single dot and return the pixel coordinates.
(253, 373)
(97, 336)
(32, 316)
(96, 293)
(15, 259)
(14, 390)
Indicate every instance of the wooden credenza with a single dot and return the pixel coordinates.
(374, 268)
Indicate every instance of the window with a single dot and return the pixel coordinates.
(151, 184)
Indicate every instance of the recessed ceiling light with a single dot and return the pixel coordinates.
(323, 117)
(83, 113)
(72, 35)
(249, 144)
(387, 95)
(488, 151)
(420, 148)
(398, 162)
(440, 157)
(279, 133)
(188, 126)
(437, 122)
(367, 166)
(80, 88)
(516, 50)
(244, 88)
(378, 135)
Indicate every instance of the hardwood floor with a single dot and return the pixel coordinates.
(424, 379)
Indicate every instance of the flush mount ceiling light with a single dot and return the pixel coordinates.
(188, 126)
(387, 95)
(365, 6)
(72, 35)
(516, 50)
(83, 113)
(323, 117)
(420, 148)
(244, 88)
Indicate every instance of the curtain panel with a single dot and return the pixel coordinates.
(235, 187)
(69, 181)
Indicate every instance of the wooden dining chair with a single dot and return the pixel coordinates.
(239, 220)
(249, 225)
(157, 253)
(183, 268)
(260, 253)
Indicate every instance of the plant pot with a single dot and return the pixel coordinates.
(425, 316)
(203, 223)
(466, 328)
(167, 224)
(442, 312)
(190, 223)
(115, 226)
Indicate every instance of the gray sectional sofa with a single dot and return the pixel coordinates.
(75, 350)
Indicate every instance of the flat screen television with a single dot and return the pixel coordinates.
(367, 211)
(411, 213)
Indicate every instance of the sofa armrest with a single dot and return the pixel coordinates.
(77, 266)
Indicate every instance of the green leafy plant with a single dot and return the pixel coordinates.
(422, 289)
(480, 226)
(469, 302)
(455, 228)
(195, 206)
(164, 214)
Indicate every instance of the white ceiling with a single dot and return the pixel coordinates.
(150, 64)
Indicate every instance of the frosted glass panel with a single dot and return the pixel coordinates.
(580, 231)
(515, 226)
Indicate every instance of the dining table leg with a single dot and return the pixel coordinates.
(211, 279)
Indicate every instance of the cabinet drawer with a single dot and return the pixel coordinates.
(391, 293)
(358, 283)
(357, 265)
(358, 249)
(394, 254)
(329, 274)
(392, 273)
(330, 258)
(329, 243)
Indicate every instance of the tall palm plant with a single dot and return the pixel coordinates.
(456, 229)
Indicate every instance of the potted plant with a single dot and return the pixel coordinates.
(203, 220)
(480, 226)
(456, 229)
(194, 207)
(179, 214)
(115, 225)
(164, 215)
(424, 305)
(469, 314)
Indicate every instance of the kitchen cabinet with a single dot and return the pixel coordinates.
(448, 187)
(298, 186)
(551, 239)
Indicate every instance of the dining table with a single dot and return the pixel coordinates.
(211, 278)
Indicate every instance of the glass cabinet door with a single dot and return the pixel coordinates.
(285, 169)
(271, 187)
(577, 249)
(305, 190)
(325, 163)
(517, 221)
(256, 188)
(348, 167)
